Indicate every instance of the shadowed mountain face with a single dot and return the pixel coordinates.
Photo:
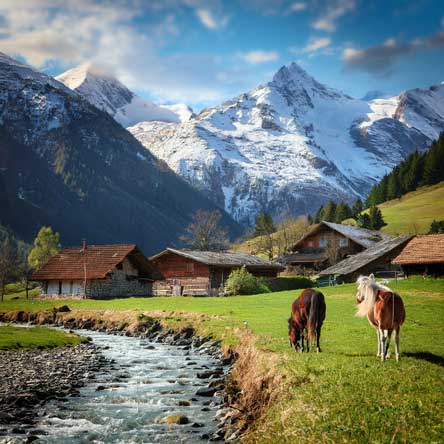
(67, 164)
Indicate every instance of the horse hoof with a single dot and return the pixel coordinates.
(318, 349)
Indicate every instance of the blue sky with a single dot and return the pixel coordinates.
(203, 52)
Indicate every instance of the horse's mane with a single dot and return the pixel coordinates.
(369, 287)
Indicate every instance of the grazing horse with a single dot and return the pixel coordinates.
(384, 310)
(307, 313)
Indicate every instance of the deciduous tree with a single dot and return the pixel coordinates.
(46, 244)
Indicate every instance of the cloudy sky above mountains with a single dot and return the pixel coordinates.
(202, 52)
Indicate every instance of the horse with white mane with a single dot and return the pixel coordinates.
(384, 310)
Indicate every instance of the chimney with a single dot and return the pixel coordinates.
(84, 246)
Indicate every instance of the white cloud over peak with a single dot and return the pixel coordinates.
(260, 56)
(298, 7)
(315, 44)
(210, 20)
(334, 10)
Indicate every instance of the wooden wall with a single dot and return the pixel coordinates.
(172, 265)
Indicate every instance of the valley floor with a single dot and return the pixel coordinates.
(343, 394)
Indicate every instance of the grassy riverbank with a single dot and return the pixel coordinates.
(341, 395)
(14, 338)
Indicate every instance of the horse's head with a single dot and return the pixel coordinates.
(363, 283)
(294, 335)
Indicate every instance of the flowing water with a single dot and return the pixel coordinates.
(126, 403)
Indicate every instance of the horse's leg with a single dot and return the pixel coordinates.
(387, 342)
(378, 333)
(307, 341)
(397, 344)
(382, 343)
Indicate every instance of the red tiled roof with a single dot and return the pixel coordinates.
(69, 263)
(426, 249)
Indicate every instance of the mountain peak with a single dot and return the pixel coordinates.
(291, 72)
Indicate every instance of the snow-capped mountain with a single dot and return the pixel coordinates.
(108, 94)
(66, 163)
(291, 144)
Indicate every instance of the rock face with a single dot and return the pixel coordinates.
(65, 163)
(292, 144)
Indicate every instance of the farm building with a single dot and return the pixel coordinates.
(330, 242)
(377, 258)
(188, 272)
(423, 255)
(96, 271)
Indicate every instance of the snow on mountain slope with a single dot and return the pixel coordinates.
(289, 145)
(108, 94)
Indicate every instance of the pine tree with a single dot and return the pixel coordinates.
(318, 216)
(343, 212)
(264, 225)
(437, 227)
(329, 213)
(376, 219)
(357, 208)
(363, 221)
(434, 163)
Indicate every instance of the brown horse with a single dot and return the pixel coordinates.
(384, 310)
(307, 313)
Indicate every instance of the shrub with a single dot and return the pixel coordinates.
(241, 281)
(288, 283)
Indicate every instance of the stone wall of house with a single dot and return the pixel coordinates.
(121, 282)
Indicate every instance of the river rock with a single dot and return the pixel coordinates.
(206, 391)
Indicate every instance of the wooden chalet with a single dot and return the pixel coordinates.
(189, 272)
(96, 271)
(311, 251)
(377, 258)
(423, 255)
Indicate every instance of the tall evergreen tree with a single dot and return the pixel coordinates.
(264, 225)
(358, 206)
(343, 212)
(329, 213)
(363, 221)
(376, 219)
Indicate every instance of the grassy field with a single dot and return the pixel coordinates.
(414, 212)
(14, 338)
(343, 395)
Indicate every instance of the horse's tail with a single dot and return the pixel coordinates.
(315, 316)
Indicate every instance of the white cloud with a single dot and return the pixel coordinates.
(48, 33)
(210, 19)
(298, 7)
(334, 11)
(315, 44)
(259, 56)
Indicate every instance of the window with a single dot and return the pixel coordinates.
(60, 287)
(343, 242)
(323, 242)
(71, 285)
(310, 244)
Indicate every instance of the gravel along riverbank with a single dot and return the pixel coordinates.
(29, 378)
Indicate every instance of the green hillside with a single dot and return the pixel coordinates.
(414, 212)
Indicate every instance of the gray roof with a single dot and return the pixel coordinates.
(357, 261)
(361, 236)
(302, 258)
(223, 258)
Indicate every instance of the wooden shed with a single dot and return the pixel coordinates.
(96, 271)
(376, 258)
(190, 272)
(423, 255)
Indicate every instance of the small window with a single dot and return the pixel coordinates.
(323, 242)
(343, 242)
(119, 266)
(60, 287)
(71, 285)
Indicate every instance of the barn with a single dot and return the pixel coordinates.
(96, 271)
(330, 242)
(190, 272)
(377, 258)
(423, 255)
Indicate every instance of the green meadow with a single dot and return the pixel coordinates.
(14, 338)
(342, 395)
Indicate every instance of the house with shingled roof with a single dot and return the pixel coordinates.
(329, 243)
(424, 255)
(96, 271)
(376, 258)
(191, 272)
